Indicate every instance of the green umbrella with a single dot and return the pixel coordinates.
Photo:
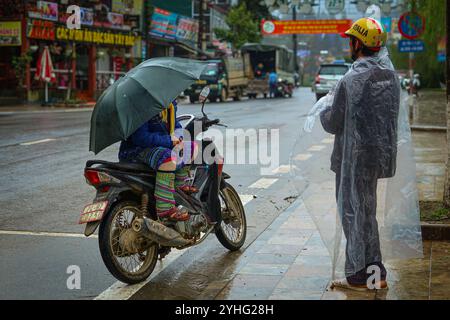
(138, 96)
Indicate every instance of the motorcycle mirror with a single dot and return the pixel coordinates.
(202, 98)
(204, 94)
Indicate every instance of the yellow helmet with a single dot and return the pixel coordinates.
(369, 31)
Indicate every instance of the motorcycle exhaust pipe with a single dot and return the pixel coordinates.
(159, 233)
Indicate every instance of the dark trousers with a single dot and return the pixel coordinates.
(359, 223)
(273, 90)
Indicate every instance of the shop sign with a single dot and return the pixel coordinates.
(115, 19)
(86, 16)
(331, 26)
(39, 29)
(94, 36)
(187, 29)
(127, 6)
(169, 25)
(45, 10)
(10, 33)
(164, 24)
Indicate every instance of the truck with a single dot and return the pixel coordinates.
(260, 60)
(225, 78)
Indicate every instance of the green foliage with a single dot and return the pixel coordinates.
(259, 11)
(20, 63)
(244, 27)
(431, 71)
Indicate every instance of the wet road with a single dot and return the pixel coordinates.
(42, 192)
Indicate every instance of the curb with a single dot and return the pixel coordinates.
(435, 231)
(428, 128)
(74, 106)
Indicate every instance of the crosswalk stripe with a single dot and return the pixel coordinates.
(263, 183)
(282, 169)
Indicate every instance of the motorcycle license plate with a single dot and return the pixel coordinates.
(93, 212)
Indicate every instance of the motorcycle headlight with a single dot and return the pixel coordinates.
(280, 80)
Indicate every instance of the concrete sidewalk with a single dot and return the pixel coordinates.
(430, 147)
(290, 261)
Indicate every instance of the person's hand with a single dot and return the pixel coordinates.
(175, 140)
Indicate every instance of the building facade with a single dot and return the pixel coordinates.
(86, 59)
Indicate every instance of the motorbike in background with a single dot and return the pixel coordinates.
(284, 89)
(131, 235)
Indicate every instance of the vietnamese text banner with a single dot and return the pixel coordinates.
(269, 27)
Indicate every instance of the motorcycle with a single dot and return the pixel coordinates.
(132, 237)
(284, 89)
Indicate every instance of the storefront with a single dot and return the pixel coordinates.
(86, 60)
(10, 46)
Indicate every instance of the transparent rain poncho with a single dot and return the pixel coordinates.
(370, 192)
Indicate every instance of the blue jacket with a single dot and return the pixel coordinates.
(273, 78)
(153, 133)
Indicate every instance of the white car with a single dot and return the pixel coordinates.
(327, 76)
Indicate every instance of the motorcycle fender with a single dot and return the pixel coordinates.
(225, 175)
(111, 197)
(91, 227)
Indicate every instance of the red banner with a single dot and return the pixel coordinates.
(269, 27)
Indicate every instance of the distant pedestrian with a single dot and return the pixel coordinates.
(273, 79)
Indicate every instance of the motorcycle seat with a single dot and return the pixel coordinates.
(122, 166)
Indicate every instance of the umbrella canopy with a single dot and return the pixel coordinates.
(44, 68)
(138, 96)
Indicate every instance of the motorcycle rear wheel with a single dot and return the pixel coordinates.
(232, 230)
(128, 268)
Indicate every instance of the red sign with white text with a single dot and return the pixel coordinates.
(269, 27)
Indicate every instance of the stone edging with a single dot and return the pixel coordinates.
(435, 231)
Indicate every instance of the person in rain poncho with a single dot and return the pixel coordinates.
(363, 117)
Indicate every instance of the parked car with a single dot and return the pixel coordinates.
(327, 76)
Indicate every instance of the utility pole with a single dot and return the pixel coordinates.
(294, 37)
(201, 25)
(447, 171)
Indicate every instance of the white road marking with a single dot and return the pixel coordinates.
(246, 198)
(282, 169)
(36, 142)
(328, 140)
(123, 291)
(263, 183)
(303, 156)
(316, 148)
(46, 234)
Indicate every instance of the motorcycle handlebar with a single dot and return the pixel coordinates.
(209, 123)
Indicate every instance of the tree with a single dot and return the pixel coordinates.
(257, 8)
(432, 72)
(244, 27)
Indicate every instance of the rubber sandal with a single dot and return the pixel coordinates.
(174, 214)
(343, 284)
(189, 189)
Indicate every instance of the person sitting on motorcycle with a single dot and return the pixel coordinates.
(157, 144)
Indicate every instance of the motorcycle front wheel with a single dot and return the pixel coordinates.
(232, 230)
(128, 267)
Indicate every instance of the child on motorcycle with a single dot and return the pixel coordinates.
(157, 144)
